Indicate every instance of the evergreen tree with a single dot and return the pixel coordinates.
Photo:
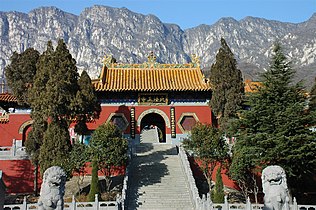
(37, 95)
(228, 87)
(94, 186)
(36, 99)
(20, 73)
(33, 144)
(208, 145)
(109, 149)
(275, 131)
(218, 194)
(56, 146)
(85, 105)
(62, 86)
(58, 97)
(77, 162)
(312, 102)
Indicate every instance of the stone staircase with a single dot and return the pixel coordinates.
(149, 135)
(157, 179)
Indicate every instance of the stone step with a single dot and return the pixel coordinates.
(157, 179)
(158, 206)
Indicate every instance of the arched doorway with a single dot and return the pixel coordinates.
(24, 130)
(156, 122)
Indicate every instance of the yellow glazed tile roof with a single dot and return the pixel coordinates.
(7, 97)
(251, 86)
(151, 77)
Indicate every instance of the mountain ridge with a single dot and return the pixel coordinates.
(131, 36)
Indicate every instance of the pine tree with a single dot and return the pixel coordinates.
(33, 144)
(228, 87)
(276, 128)
(312, 102)
(20, 73)
(50, 97)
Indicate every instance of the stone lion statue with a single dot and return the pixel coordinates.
(52, 189)
(275, 189)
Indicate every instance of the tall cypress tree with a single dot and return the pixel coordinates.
(20, 73)
(85, 105)
(57, 97)
(228, 87)
(218, 194)
(37, 94)
(56, 146)
(276, 128)
(62, 85)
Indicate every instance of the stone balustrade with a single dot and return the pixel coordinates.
(205, 204)
(196, 200)
(124, 197)
(14, 152)
(74, 205)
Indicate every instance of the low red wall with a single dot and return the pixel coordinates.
(195, 164)
(115, 171)
(17, 175)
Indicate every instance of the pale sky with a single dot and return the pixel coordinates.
(185, 13)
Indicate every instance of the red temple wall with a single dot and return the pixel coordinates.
(17, 175)
(203, 113)
(10, 130)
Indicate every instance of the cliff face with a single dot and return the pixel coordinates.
(130, 36)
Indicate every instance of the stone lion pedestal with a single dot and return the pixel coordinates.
(52, 189)
(276, 195)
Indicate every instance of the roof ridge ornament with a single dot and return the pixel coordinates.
(152, 60)
(108, 60)
(195, 60)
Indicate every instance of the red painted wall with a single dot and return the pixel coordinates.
(203, 113)
(18, 175)
(195, 163)
(10, 130)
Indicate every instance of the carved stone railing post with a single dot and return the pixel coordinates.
(73, 203)
(248, 204)
(13, 149)
(24, 203)
(295, 207)
(226, 205)
(96, 202)
(195, 198)
(209, 202)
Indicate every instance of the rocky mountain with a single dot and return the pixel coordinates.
(130, 36)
